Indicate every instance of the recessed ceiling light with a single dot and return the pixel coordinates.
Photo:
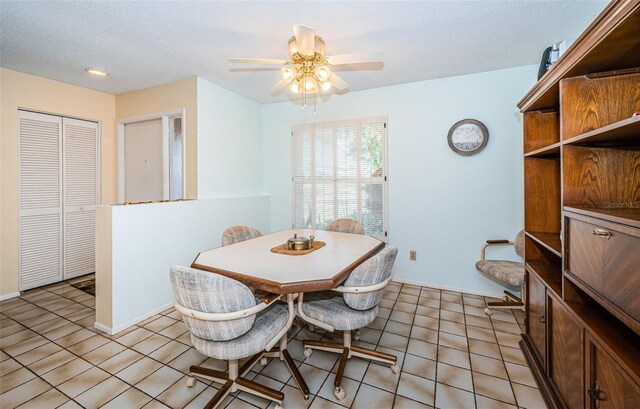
(95, 72)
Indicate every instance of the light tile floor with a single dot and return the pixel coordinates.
(452, 356)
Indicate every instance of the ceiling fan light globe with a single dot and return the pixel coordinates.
(310, 85)
(326, 85)
(295, 87)
(287, 74)
(323, 73)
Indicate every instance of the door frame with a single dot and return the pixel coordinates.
(120, 149)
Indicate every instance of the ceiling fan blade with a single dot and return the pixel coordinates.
(356, 58)
(278, 85)
(257, 61)
(338, 82)
(305, 38)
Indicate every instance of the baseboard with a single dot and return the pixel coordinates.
(448, 288)
(10, 295)
(112, 331)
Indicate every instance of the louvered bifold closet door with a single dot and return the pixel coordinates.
(80, 142)
(40, 196)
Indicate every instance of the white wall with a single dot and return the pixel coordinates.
(229, 143)
(136, 245)
(441, 204)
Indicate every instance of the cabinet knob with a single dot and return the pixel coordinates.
(542, 319)
(601, 233)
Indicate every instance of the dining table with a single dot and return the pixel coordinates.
(264, 263)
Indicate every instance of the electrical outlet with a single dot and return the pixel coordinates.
(412, 255)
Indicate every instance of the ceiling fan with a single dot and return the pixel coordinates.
(307, 71)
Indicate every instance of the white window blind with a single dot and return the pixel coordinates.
(339, 171)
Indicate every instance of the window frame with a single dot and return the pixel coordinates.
(334, 179)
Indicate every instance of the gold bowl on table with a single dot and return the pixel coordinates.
(300, 243)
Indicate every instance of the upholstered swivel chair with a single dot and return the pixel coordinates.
(508, 273)
(226, 323)
(345, 226)
(354, 306)
(237, 234)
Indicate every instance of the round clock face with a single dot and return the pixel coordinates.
(468, 137)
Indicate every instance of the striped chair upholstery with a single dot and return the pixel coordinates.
(236, 234)
(345, 226)
(353, 311)
(373, 271)
(209, 292)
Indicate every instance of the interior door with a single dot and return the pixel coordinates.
(144, 161)
(40, 195)
(80, 147)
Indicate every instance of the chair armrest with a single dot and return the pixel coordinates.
(266, 301)
(491, 243)
(367, 289)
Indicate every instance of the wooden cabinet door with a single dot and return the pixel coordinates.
(566, 354)
(537, 317)
(609, 385)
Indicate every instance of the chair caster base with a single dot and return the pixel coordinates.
(191, 381)
(339, 393)
(308, 352)
(395, 369)
(487, 311)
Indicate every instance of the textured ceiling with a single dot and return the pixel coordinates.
(144, 44)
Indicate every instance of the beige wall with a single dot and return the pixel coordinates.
(19, 90)
(177, 95)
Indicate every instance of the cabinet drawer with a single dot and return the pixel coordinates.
(603, 258)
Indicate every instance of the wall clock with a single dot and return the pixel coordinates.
(468, 137)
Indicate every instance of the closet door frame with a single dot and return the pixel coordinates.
(29, 111)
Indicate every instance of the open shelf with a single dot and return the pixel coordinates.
(621, 133)
(580, 115)
(610, 333)
(607, 44)
(541, 130)
(548, 151)
(551, 241)
(630, 217)
(549, 273)
(600, 177)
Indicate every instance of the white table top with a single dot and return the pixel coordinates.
(253, 263)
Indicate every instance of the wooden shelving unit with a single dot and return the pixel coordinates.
(629, 217)
(549, 273)
(621, 133)
(551, 241)
(552, 150)
(582, 218)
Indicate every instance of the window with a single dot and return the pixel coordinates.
(339, 171)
